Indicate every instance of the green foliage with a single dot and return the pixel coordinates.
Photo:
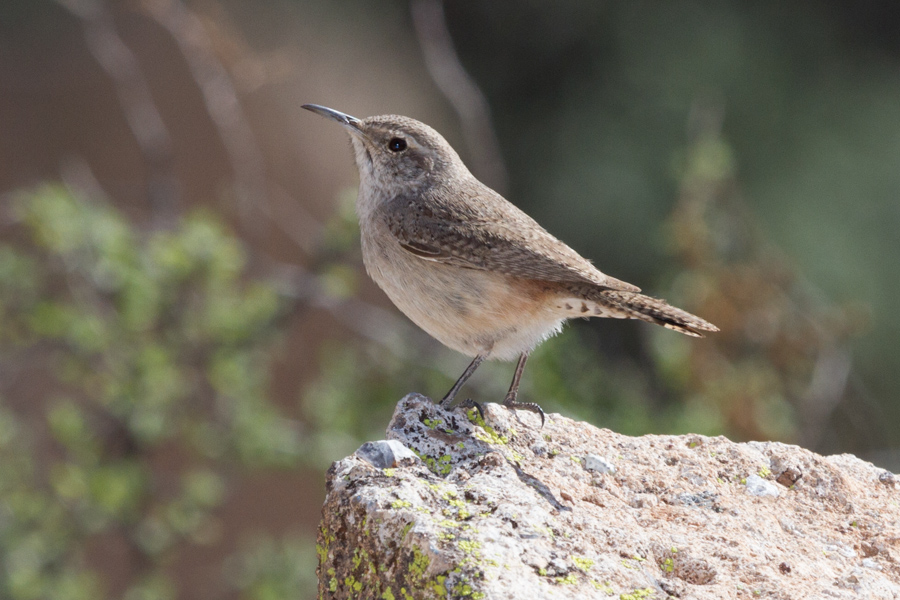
(141, 343)
(352, 400)
(275, 570)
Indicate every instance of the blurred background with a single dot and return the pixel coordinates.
(187, 335)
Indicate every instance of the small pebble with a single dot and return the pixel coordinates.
(789, 477)
(757, 486)
(871, 563)
(385, 454)
(598, 464)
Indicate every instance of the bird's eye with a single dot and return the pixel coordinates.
(397, 144)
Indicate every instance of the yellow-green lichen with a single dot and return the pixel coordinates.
(628, 564)
(472, 551)
(351, 583)
(438, 586)
(419, 563)
(605, 587)
(764, 472)
(406, 529)
(387, 594)
(488, 434)
(462, 589)
(582, 563)
(389, 472)
(323, 549)
(326, 536)
(637, 594)
(548, 531)
(441, 466)
(569, 579)
(668, 565)
(401, 503)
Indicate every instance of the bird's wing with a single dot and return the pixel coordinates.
(488, 233)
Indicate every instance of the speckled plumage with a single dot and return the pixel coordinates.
(465, 264)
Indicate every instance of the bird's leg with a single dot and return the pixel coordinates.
(510, 400)
(447, 402)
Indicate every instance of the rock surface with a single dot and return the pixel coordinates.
(509, 510)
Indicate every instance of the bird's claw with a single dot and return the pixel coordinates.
(469, 403)
(512, 403)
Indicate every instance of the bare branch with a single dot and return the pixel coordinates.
(227, 114)
(461, 91)
(138, 107)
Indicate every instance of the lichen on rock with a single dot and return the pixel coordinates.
(501, 508)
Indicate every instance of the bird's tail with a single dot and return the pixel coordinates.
(632, 305)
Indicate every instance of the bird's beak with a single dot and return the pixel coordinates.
(352, 124)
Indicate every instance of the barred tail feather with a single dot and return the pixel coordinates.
(660, 312)
(632, 305)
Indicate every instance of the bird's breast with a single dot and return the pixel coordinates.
(471, 311)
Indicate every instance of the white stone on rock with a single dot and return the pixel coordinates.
(598, 464)
(757, 486)
(384, 454)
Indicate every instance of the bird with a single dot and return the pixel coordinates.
(468, 266)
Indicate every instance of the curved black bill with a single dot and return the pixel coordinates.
(336, 115)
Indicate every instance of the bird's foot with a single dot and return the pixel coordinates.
(511, 402)
(469, 403)
(448, 404)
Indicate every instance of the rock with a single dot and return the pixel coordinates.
(502, 508)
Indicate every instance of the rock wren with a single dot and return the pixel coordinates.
(466, 265)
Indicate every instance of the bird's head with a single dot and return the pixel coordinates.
(396, 153)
